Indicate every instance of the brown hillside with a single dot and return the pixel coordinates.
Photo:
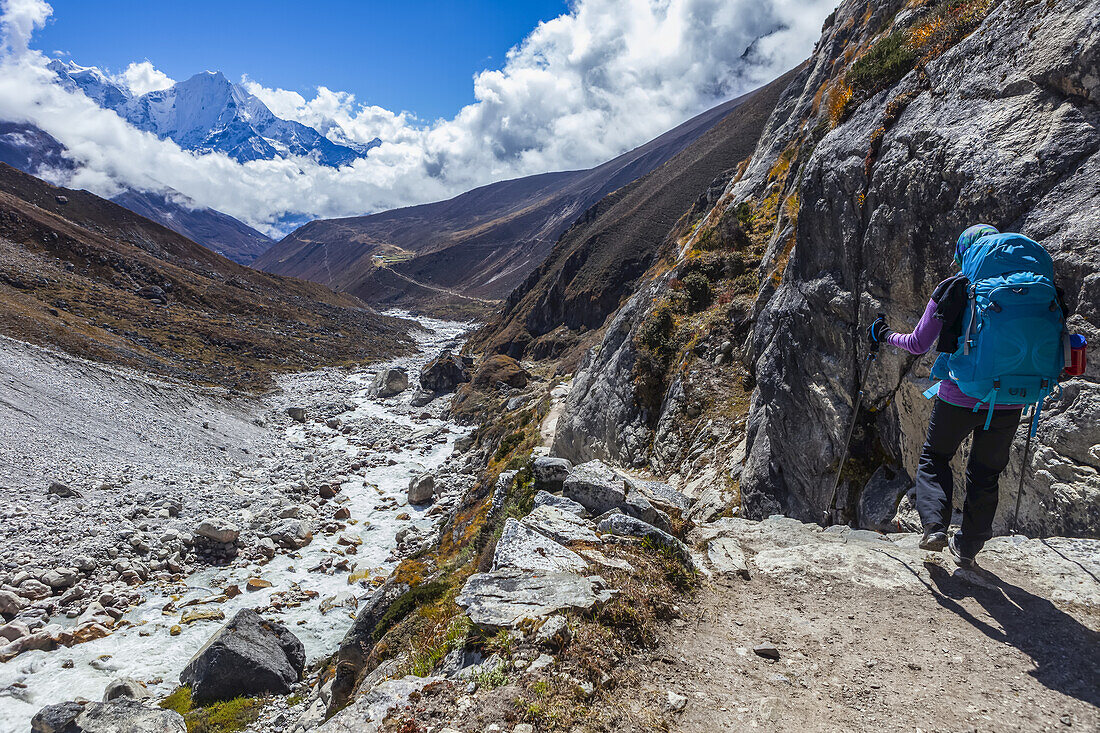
(80, 273)
(597, 261)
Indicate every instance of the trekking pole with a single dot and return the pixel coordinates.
(872, 354)
(1023, 473)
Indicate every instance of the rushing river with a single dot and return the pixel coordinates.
(376, 497)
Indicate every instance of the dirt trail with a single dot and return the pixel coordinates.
(953, 651)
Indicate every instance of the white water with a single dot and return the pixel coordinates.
(147, 652)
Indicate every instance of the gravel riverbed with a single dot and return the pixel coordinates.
(146, 512)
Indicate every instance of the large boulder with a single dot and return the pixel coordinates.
(421, 489)
(596, 487)
(122, 715)
(550, 473)
(625, 526)
(126, 687)
(504, 598)
(560, 525)
(444, 373)
(390, 382)
(248, 656)
(522, 548)
(545, 498)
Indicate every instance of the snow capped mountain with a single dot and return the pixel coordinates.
(209, 113)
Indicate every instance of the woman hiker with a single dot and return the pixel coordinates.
(953, 419)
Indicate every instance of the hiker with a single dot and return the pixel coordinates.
(1001, 260)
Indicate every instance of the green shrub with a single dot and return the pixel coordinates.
(404, 605)
(657, 330)
(883, 65)
(697, 290)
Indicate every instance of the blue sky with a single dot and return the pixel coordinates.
(417, 56)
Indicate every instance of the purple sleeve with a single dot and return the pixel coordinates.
(925, 334)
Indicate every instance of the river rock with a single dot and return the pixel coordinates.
(504, 598)
(10, 603)
(595, 486)
(545, 498)
(560, 525)
(122, 715)
(248, 656)
(421, 489)
(422, 398)
(59, 489)
(522, 548)
(218, 531)
(34, 590)
(297, 414)
(125, 687)
(444, 373)
(293, 534)
(550, 473)
(60, 578)
(389, 382)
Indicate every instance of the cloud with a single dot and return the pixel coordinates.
(19, 21)
(579, 89)
(143, 77)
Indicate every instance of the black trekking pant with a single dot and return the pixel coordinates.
(947, 428)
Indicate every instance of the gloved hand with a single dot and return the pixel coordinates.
(877, 332)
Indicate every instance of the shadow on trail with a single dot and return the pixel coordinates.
(1063, 649)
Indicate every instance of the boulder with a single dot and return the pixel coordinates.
(248, 656)
(444, 373)
(660, 494)
(389, 382)
(550, 473)
(504, 598)
(560, 525)
(60, 578)
(727, 558)
(422, 489)
(596, 487)
(623, 525)
(218, 531)
(422, 398)
(878, 502)
(122, 715)
(297, 414)
(371, 709)
(293, 534)
(555, 632)
(522, 548)
(59, 489)
(545, 498)
(125, 687)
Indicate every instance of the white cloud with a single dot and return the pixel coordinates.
(143, 77)
(580, 89)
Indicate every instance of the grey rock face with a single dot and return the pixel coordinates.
(444, 373)
(522, 548)
(878, 502)
(996, 114)
(595, 486)
(248, 656)
(357, 643)
(422, 489)
(560, 525)
(371, 709)
(502, 599)
(545, 498)
(390, 382)
(550, 473)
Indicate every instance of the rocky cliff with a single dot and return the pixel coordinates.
(910, 122)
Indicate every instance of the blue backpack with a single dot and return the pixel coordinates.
(1011, 351)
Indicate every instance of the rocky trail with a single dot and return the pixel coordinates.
(201, 504)
(848, 630)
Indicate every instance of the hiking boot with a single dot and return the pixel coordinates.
(962, 559)
(934, 540)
